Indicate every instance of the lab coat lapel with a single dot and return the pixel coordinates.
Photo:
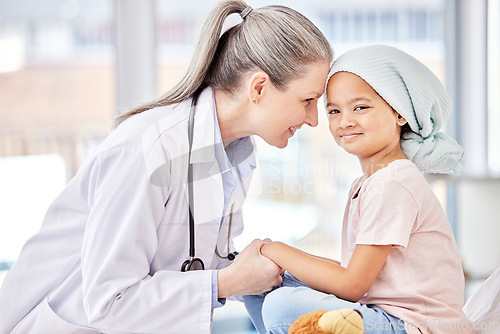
(208, 195)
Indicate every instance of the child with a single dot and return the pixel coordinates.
(400, 267)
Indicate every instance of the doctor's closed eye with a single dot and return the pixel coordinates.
(309, 100)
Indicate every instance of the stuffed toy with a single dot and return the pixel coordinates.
(344, 321)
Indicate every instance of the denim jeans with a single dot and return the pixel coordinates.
(275, 311)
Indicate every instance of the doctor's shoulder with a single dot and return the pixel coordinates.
(141, 130)
(149, 139)
(165, 145)
(139, 127)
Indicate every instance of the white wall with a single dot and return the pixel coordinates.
(478, 206)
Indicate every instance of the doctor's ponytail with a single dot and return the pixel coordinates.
(276, 39)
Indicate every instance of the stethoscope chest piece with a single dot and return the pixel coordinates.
(193, 264)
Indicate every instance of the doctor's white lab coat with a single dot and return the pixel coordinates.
(108, 255)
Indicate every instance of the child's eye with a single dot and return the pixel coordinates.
(333, 112)
(359, 108)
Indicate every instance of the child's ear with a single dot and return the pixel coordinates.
(401, 120)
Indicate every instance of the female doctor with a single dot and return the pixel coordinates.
(109, 254)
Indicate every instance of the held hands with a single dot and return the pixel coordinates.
(250, 274)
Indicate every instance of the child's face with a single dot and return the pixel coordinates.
(361, 122)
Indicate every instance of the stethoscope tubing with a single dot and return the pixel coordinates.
(186, 266)
(190, 177)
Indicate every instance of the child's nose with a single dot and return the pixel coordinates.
(346, 120)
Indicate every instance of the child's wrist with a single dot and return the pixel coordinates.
(268, 248)
(263, 247)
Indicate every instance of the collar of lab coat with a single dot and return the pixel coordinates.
(204, 140)
(206, 170)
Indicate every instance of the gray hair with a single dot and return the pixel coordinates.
(275, 39)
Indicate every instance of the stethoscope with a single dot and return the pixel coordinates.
(195, 263)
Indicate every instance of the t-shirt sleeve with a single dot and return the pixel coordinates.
(387, 214)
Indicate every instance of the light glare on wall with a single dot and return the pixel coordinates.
(12, 54)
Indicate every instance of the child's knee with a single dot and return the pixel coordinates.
(276, 303)
(284, 302)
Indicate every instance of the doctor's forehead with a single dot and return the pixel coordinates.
(312, 82)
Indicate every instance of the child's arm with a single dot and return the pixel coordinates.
(267, 241)
(349, 283)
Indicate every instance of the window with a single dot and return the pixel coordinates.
(56, 102)
(493, 74)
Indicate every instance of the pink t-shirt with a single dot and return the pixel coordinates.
(422, 281)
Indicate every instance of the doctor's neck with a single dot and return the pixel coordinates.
(233, 113)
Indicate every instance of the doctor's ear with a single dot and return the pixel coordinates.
(256, 85)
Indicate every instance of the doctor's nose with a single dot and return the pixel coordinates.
(311, 115)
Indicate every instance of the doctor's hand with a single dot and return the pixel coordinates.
(250, 273)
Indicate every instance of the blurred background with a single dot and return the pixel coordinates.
(67, 67)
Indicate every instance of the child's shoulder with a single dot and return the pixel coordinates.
(400, 169)
(402, 173)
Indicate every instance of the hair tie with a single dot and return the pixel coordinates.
(245, 12)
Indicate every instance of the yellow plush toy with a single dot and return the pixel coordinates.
(344, 321)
